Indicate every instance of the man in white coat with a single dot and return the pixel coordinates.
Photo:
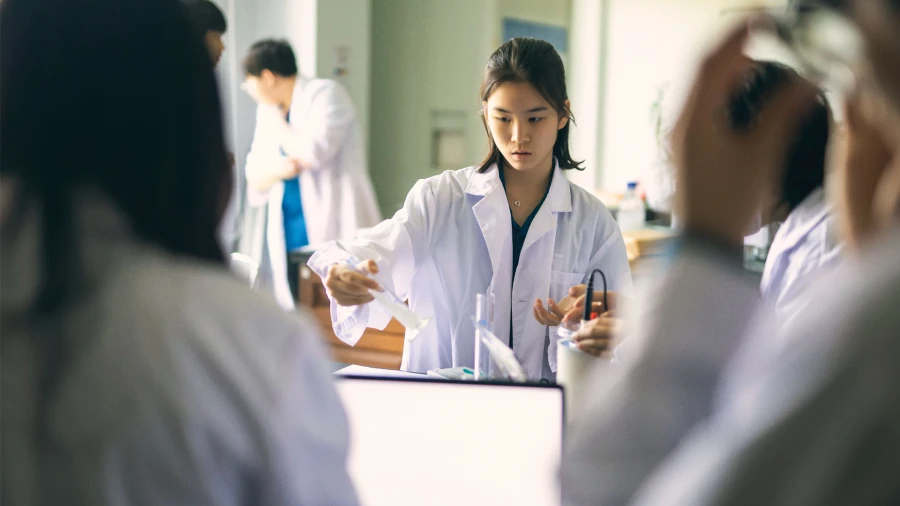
(306, 163)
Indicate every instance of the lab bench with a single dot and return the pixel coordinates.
(649, 250)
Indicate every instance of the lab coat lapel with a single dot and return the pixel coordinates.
(492, 214)
(559, 199)
(494, 220)
(799, 224)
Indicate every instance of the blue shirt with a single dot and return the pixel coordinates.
(295, 236)
(294, 222)
(519, 233)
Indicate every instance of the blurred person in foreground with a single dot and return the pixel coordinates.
(804, 413)
(135, 369)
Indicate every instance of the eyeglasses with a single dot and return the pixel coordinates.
(829, 47)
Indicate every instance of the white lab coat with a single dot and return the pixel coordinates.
(809, 414)
(336, 191)
(805, 247)
(182, 386)
(748, 411)
(453, 240)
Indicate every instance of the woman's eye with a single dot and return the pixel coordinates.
(501, 119)
(534, 120)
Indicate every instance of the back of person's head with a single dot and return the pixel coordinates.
(276, 56)
(804, 169)
(536, 62)
(210, 24)
(141, 124)
(207, 16)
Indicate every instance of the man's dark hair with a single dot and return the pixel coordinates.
(206, 16)
(276, 56)
(804, 169)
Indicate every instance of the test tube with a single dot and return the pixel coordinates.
(391, 302)
(484, 315)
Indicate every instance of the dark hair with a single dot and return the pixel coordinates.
(142, 125)
(207, 16)
(276, 56)
(804, 169)
(162, 160)
(533, 61)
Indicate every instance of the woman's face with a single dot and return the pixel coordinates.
(523, 125)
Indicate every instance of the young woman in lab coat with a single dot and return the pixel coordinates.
(806, 244)
(306, 163)
(136, 369)
(512, 225)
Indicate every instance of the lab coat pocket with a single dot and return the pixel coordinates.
(561, 282)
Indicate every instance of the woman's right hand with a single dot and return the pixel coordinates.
(597, 337)
(350, 287)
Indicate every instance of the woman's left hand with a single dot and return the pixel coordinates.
(553, 314)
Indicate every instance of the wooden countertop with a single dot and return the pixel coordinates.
(648, 242)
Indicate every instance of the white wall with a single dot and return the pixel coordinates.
(426, 56)
(344, 26)
(586, 74)
(643, 45)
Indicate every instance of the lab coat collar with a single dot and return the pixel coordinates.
(297, 96)
(559, 200)
(804, 219)
(559, 197)
(492, 214)
(482, 183)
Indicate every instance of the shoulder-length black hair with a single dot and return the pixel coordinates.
(533, 61)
